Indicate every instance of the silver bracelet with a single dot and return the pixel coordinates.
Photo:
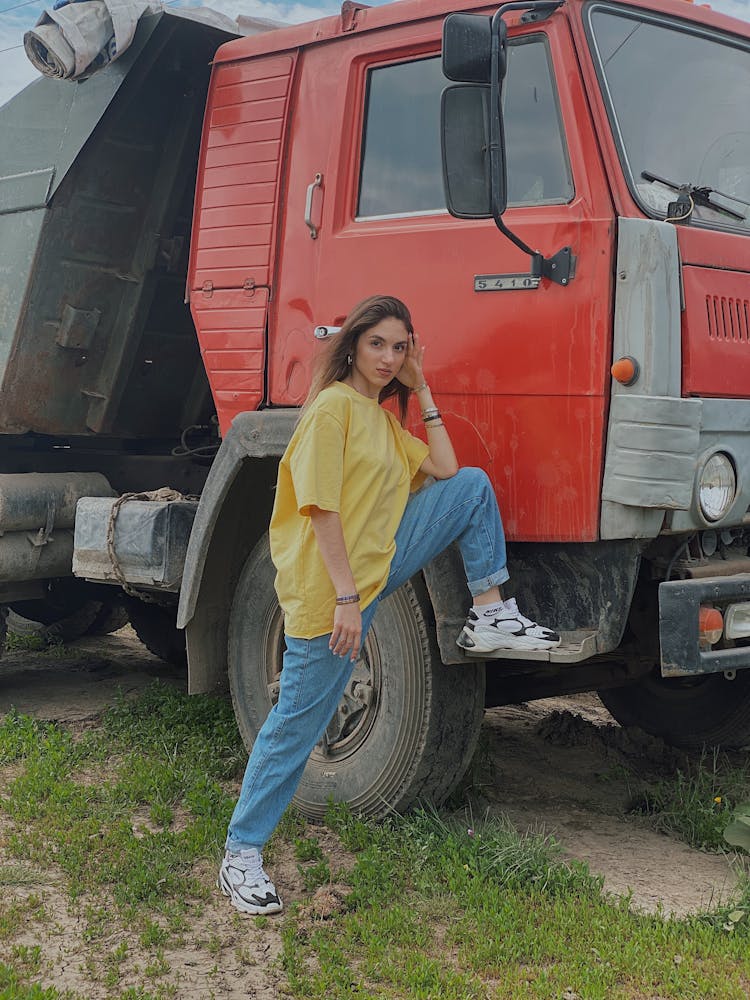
(418, 388)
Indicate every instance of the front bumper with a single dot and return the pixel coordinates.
(679, 606)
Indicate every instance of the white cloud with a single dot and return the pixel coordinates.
(736, 8)
(17, 73)
(16, 70)
(289, 13)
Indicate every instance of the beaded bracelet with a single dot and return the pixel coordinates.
(348, 599)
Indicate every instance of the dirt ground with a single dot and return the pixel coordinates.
(560, 765)
(565, 766)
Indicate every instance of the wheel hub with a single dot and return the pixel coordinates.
(355, 713)
(351, 710)
(358, 708)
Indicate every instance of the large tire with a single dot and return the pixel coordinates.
(155, 625)
(707, 710)
(60, 617)
(111, 617)
(70, 610)
(407, 726)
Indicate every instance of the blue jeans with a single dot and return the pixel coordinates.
(462, 509)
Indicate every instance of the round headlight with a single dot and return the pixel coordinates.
(717, 487)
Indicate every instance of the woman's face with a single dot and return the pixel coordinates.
(378, 356)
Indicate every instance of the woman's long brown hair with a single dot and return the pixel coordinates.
(332, 364)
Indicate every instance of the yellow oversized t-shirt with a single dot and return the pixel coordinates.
(348, 455)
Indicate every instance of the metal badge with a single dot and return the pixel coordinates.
(505, 282)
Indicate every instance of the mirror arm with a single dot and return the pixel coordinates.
(509, 234)
(534, 7)
(496, 136)
(541, 11)
(496, 127)
(559, 268)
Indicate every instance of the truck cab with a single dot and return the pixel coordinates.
(623, 495)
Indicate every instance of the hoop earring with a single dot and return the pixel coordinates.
(349, 359)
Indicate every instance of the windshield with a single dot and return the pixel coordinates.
(678, 102)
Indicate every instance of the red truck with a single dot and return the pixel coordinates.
(559, 191)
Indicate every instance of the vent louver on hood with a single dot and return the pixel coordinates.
(716, 332)
(728, 318)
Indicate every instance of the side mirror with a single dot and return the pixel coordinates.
(472, 133)
(465, 122)
(467, 47)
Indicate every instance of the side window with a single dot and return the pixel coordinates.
(538, 169)
(401, 173)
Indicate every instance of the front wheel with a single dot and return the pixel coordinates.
(689, 712)
(406, 727)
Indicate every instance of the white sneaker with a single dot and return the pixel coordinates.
(505, 629)
(241, 877)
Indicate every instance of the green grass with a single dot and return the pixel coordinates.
(16, 643)
(438, 910)
(697, 804)
(162, 754)
(16, 913)
(43, 642)
(123, 813)
(13, 987)
(130, 815)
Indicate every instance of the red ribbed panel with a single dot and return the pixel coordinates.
(231, 324)
(234, 225)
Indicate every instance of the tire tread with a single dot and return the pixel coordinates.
(453, 702)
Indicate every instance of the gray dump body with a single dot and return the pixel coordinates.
(96, 192)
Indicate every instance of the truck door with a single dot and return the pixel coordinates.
(520, 375)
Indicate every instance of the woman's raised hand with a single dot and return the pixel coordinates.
(411, 374)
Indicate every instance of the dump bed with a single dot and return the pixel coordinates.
(96, 190)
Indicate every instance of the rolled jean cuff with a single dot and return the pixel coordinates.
(234, 846)
(494, 580)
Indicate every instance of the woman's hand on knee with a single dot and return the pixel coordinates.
(347, 631)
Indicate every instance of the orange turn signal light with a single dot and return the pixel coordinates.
(625, 370)
(710, 624)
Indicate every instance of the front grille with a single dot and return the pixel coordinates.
(728, 319)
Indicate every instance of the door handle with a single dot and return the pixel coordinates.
(324, 332)
(317, 183)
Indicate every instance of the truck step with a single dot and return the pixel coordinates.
(574, 647)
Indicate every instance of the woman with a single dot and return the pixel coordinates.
(345, 533)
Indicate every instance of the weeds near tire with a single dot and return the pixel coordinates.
(697, 804)
(467, 910)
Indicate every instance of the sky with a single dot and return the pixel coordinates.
(18, 15)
